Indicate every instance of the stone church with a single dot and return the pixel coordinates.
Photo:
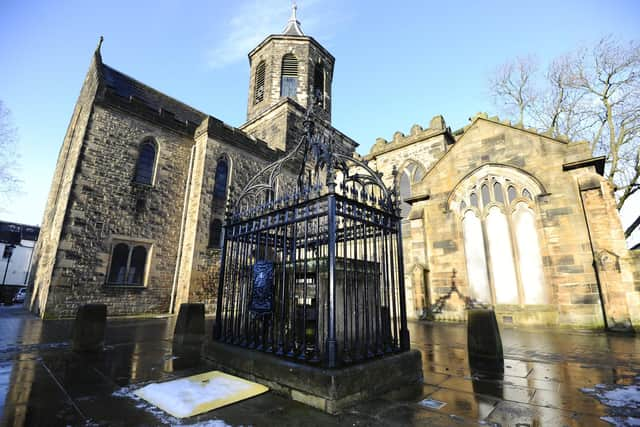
(493, 213)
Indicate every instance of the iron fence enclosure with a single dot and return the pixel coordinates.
(314, 274)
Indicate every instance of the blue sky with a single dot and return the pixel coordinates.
(397, 63)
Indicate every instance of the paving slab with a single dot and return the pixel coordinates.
(550, 377)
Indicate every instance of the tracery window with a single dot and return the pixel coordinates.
(289, 76)
(502, 248)
(128, 264)
(411, 173)
(146, 163)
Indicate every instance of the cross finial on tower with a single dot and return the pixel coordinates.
(293, 26)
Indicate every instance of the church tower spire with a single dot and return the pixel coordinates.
(293, 26)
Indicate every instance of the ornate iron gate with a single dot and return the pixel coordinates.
(314, 273)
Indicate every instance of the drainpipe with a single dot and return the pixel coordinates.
(594, 263)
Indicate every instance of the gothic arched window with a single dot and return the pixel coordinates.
(502, 249)
(289, 73)
(411, 173)
(220, 183)
(258, 92)
(146, 163)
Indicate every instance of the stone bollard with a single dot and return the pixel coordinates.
(89, 326)
(483, 341)
(189, 330)
(188, 336)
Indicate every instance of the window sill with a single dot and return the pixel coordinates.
(141, 185)
(123, 286)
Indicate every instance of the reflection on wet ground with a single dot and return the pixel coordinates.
(43, 383)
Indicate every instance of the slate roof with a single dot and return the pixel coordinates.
(128, 87)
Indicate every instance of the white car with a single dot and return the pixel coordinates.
(19, 297)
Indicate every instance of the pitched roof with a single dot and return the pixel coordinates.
(128, 87)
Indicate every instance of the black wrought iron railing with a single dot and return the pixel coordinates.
(317, 274)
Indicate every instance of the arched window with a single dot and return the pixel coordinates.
(497, 193)
(318, 84)
(128, 264)
(146, 163)
(135, 275)
(220, 186)
(485, 195)
(405, 192)
(215, 233)
(502, 249)
(511, 192)
(119, 260)
(411, 173)
(473, 199)
(289, 73)
(258, 93)
(220, 183)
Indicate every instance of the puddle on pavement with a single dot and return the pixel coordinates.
(543, 374)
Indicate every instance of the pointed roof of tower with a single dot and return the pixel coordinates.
(293, 26)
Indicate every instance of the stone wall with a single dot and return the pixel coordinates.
(421, 148)
(613, 263)
(105, 204)
(200, 263)
(46, 249)
(562, 230)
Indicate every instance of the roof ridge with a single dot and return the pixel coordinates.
(518, 125)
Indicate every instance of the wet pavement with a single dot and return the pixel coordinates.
(550, 378)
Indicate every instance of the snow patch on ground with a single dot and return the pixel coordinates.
(181, 397)
(615, 396)
(623, 402)
(208, 423)
(622, 421)
(628, 396)
(161, 416)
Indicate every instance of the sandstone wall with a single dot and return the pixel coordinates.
(105, 204)
(421, 148)
(45, 253)
(562, 230)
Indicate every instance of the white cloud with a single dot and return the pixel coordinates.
(253, 20)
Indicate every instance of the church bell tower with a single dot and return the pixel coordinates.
(290, 65)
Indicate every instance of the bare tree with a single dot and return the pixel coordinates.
(512, 86)
(591, 94)
(9, 181)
